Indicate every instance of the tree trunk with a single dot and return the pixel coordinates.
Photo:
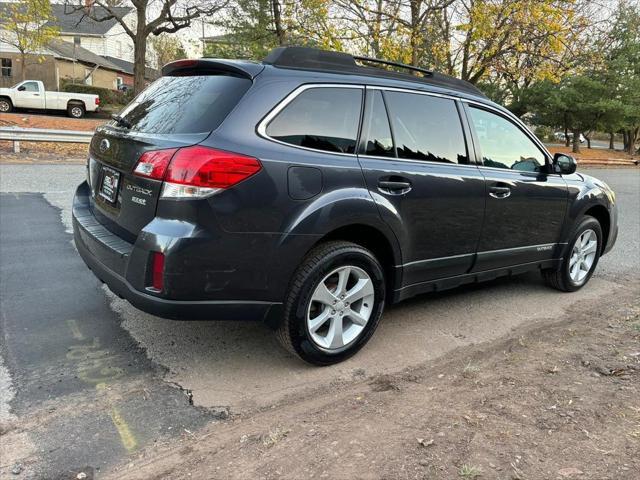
(23, 70)
(566, 133)
(633, 138)
(625, 140)
(576, 141)
(588, 139)
(139, 61)
(414, 39)
(611, 141)
(277, 20)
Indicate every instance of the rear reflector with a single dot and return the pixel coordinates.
(196, 172)
(157, 281)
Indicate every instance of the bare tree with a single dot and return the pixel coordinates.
(153, 17)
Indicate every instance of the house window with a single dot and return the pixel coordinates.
(119, 83)
(6, 67)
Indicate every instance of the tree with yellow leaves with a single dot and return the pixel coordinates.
(26, 29)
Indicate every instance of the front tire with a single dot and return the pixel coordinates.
(581, 260)
(75, 110)
(334, 304)
(5, 105)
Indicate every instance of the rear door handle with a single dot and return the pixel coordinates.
(395, 187)
(499, 192)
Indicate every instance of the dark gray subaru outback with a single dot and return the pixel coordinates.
(312, 188)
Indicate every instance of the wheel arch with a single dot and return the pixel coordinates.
(373, 239)
(8, 98)
(602, 215)
(76, 101)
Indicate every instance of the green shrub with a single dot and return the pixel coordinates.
(106, 95)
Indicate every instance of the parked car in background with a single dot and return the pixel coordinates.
(312, 189)
(561, 136)
(31, 95)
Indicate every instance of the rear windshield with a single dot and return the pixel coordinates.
(193, 104)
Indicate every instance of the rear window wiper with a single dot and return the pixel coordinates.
(121, 121)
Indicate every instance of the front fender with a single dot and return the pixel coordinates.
(585, 193)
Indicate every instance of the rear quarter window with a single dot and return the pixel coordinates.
(321, 118)
(185, 104)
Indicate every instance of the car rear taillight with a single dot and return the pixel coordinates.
(97, 100)
(153, 164)
(157, 277)
(196, 172)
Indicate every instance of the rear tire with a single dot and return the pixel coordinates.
(320, 324)
(5, 105)
(581, 259)
(75, 110)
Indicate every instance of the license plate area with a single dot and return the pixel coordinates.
(109, 182)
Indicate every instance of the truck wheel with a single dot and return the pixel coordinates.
(5, 105)
(581, 260)
(75, 110)
(334, 304)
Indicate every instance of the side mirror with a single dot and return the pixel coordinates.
(564, 164)
(22, 88)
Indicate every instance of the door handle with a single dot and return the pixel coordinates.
(499, 192)
(394, 187)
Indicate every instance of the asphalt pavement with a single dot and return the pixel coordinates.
(87, 381)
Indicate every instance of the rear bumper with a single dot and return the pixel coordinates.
(108, 256)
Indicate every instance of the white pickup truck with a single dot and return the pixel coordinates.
(32, 95)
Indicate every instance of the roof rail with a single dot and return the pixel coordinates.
(305, 58)
(393, 64)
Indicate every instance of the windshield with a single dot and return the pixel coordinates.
(186, 104)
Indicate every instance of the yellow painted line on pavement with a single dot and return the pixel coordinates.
(127, 438)
(75, 329)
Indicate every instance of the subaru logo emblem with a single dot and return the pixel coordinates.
(104, 145)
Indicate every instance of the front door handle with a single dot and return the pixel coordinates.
(499, 192)
(394, 186)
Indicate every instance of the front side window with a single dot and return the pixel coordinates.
(30, 86)
(6, 67)
(426, 128)
(503, 144)
(324, 118)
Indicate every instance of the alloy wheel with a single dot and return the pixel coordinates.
(583, 254)
(340, 307)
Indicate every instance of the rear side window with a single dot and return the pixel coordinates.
(379, 141)
(426, 128)
(324, 118)
(186, 104)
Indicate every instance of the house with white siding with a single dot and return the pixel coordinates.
(105, 38)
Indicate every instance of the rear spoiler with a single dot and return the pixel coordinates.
(241, 68)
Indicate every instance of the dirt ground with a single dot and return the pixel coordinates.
(597, 155)
(558, 399)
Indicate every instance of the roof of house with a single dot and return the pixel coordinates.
(127, 67)
(70, 20)
(70, 51)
